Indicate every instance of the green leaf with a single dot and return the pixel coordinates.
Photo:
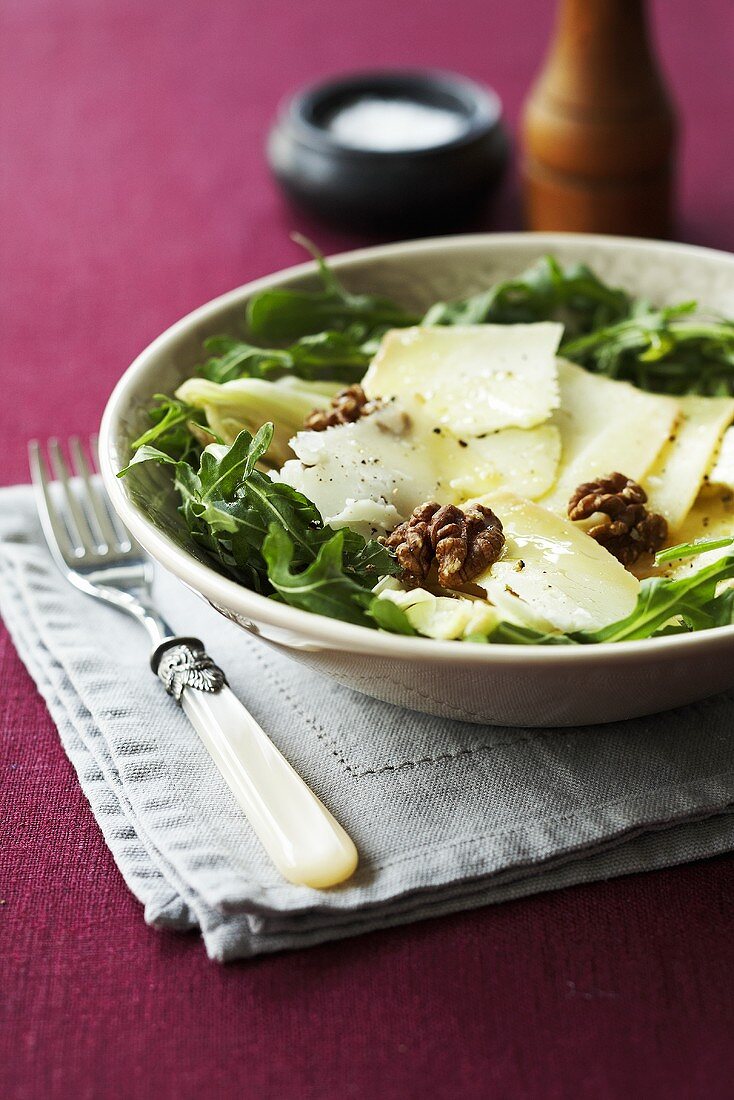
(323, 586)
(331, 334)
(237, 504)
(232, 509)
(664, 350)
(337, 356)
(507, 633)
(234, 358)
(168, 413)
(220, 477)
(690, 549)
(662, 599)
(721, 608)
(390, 617)
(544, 292)
(332, 356)
(282, 314)
(147, 454)
(367, 561)
(169, 429)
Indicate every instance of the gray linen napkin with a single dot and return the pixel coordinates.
(446, 816)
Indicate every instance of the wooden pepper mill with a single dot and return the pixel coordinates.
(599, 128)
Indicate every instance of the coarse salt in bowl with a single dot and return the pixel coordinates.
(421, 151)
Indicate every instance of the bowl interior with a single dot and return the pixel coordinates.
(416, 274)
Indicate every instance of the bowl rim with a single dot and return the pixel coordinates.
(333, 633)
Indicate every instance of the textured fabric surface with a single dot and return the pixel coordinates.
(445, 815)
(132, 188)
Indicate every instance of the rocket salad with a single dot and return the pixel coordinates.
(550, 461)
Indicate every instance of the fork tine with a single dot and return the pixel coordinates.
(77, 521)
(92, 496)
(125, 540)
(54, 528)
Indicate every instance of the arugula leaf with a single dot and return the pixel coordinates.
(326, 586)
(691, 599)
(206, 535)
(245, 503)
(544, 292)
(367, 561)
(332, 333)
(335, 356)
(283, 314)
(170, 431)
(721, 608)
(147, 453)
(390, 617)
(232, 358)
(691, 549)
(322, 586)
(272, 538)
(507, 633)
(666, 350)
(220, 476)
(232, 502)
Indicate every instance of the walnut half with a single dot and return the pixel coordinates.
(346, 407)
(625, 528)
(462, 543)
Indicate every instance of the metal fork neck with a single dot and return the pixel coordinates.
(135, 601)
(157, 628)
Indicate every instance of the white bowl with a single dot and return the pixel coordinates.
(498, 684)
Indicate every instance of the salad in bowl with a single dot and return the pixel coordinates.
(546, 462)
(370, 462)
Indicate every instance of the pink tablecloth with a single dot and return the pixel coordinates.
(132, 188)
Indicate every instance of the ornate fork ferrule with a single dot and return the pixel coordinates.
(183, 662)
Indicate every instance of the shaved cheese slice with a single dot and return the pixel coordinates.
(471, 378)
(711, 517)
(722, 471)
(524, 460)
(551, 575)
(605, 426)
(674, 481)
(368, 475)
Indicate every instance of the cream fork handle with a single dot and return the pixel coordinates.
(307, 845)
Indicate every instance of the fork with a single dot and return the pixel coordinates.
(100, 557)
